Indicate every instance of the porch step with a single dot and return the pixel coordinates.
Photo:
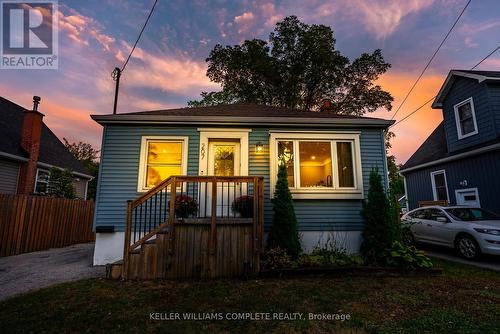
(114, 270)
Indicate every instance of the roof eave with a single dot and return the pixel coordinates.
(438, 101)
(224, 120)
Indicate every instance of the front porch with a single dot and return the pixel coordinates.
(212, 228)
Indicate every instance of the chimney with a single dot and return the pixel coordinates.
(30, 142)
(327, 106)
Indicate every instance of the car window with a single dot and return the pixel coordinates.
(433, 214)
(418, 214)
(472, 214)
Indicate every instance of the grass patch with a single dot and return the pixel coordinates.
(463, 300)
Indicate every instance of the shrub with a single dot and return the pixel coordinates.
(329, 256)
(284, 233)
(408, 257)
(61, 183)
(276, 258)
(380, 229)
(244, 206)
(185, 206)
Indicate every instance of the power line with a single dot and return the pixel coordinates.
(431, 59)
(140, 34)
(423, 105)
(117, 72)
(488, 56)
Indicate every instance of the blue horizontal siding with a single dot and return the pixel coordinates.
(462, 89)
(480, 171)
(120, 163)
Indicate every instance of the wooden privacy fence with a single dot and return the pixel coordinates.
(33, 223)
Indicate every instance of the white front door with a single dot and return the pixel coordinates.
(468, 197)
(224, 159)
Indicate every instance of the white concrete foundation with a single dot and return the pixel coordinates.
(108, 247)
(348, 240)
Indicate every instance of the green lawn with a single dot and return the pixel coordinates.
(463, 300)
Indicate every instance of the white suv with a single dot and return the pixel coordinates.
(470, 230)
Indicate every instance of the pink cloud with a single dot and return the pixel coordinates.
(180, 75)
(244, 22)
(270, 14)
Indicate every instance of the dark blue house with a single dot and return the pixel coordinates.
(460, 161)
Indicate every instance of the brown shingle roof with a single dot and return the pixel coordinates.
(244, 110)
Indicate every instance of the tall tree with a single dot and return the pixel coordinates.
(298, 67)
(88, 156)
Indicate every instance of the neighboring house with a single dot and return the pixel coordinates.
(460, 161)
(29, 149)
(330, 157)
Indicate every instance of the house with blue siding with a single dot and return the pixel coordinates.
(459, 162)
(329, 158)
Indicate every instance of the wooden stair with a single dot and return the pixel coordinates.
(159, 245)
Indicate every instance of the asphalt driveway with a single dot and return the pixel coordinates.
(33, 271)
(486, 261)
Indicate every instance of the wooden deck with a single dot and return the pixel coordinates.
(212, 241)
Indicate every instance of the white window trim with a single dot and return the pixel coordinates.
(433, 182)
(475, 190)
(141, 180)
(207, 134)
(457, 118)
(36, 179)
(319, 193)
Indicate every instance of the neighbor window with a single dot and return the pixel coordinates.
(161, 157)
(439, 186)
(318, 163)
(465, 118)
(42, 181)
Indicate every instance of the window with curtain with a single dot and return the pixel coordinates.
(164, 159)
(345, 165)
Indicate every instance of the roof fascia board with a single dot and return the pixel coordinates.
(13, 156)
(45, 165)
(219, 120)
(453, 158)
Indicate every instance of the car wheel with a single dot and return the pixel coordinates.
(467, 247)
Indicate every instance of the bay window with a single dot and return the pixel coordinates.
(322, 165)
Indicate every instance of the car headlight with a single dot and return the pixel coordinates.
(487, 231)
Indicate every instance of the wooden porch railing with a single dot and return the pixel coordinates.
(203, 200)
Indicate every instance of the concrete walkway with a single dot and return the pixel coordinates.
(33, 271)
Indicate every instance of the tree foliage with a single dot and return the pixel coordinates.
(298, 67)
(284, 232)
(61, 183)
(88, 156)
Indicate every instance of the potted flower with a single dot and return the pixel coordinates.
(185, 206)
(244, 206)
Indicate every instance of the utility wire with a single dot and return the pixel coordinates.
(431, 59)
(423, 105)
(140, 34)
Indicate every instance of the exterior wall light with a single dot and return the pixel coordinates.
(259, 147)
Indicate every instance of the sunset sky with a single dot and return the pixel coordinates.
(168, 68)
